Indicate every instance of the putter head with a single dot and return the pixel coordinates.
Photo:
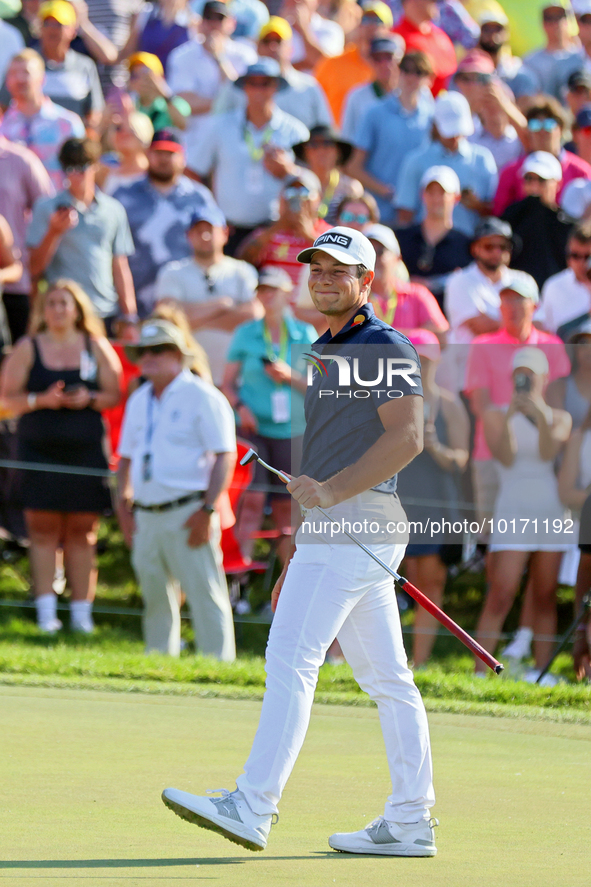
(248, 457)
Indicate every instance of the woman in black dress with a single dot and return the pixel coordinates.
(58, 379)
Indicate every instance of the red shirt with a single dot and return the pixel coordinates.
(490, 366)
(283, 248)
(433, 41)
(510, 187)
(412, 306)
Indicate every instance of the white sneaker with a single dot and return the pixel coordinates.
(389, 839)
(51, 626)
(228, 815)
(549, 680)
(520, 646)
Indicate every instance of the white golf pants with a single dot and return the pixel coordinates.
(336, 590)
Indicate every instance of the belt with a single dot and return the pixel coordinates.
(168, 506)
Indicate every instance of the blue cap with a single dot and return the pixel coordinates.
(208, 213)
(583, 118)
(263, 67)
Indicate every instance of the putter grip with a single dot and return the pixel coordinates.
(451, 626)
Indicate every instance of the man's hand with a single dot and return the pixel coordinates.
(247, 420)
(126, 520)
(277, 162)
(199, 526)
(309, 493)
(277, 591)
(63, 219)
(279, 371)
(581, 656)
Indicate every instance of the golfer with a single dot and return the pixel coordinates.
(358, 435)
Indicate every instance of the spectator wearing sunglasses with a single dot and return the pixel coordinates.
(215, 291)
(297, 227)
(566, 296)
(582, 61)
(545, 125)
(494, 40)
(392, 129)
(302, 97)
(178, 449)
(560, 47)
(537, 219)
(84, 235)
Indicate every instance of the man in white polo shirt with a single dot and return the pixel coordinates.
(178, 448)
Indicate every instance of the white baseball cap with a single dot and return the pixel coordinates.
(544, 165)
(452, 116)
(522, 283)
(576, 198)
(494, 13)
(385, 236)
(533, 359)
(349, 246)
(444, 176)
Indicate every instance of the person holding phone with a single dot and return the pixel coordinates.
(528, 524)
(59, 379)
(265, 382)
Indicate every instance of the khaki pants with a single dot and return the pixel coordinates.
(161, 554)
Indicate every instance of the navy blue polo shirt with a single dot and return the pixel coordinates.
(350, 376)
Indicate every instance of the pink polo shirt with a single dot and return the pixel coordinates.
(410, 307)
(490, 362)
(510, 187)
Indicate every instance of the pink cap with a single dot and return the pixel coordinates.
(426, 343)
(478, 62)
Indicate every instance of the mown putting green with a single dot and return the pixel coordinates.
(82, 772)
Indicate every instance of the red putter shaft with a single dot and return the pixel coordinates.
(452, 626)
(421, 599)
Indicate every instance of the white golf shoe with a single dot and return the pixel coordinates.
(229, 815)
(383, 838)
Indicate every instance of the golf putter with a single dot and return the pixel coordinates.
(410, 589)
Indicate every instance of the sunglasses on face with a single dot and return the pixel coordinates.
(532, 177)
(584, 19)
(80, 168)
(264, 83)
(494, 247)
(557, 16)
(156, 349)
(492, 28)
(213, 17)
(360, 218)
(272, 38)
(537, 125)
(411, 69)
(296, 191)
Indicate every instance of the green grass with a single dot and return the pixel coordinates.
(113, 657)
(82, 774)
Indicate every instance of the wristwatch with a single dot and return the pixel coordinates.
(208, 509)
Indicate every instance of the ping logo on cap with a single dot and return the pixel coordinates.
(337, 239)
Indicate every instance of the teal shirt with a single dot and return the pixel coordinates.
(255, 387)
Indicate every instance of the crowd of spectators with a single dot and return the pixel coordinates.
(170, 159)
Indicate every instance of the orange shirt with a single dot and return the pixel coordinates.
(340, 74)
